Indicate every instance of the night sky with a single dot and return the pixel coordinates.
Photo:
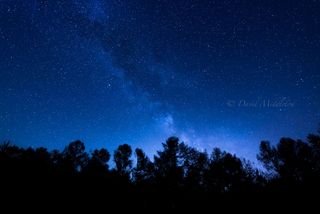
(215, 73)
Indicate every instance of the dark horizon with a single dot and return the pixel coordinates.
(255, 162)
(178, 178)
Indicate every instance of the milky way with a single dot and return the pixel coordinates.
(214, 73)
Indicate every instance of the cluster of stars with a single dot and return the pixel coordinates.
(116, 69)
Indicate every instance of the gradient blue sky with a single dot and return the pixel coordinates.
(221, 73)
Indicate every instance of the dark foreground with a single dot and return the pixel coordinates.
(179, 178)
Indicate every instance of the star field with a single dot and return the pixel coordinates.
(214, 73)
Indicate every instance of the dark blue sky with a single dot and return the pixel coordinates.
(214, 73)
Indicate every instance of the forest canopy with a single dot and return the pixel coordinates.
(178, 172)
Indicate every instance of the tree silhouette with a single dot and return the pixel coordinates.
(98, 163)
(144, 170)
(290, 159)
(194, 165)
(122, 159)
(75, 157)
(179, 177)
(314, 141)
(225, 172)
(101, 156)
(166, 163)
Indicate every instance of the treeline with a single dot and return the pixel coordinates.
(179, 175)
